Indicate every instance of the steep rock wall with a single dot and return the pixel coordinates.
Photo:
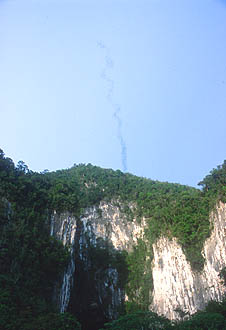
(88, 287)
(177, 289)
(64, 227)
(109, 223)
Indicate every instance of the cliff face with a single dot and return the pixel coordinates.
(177, 289)
(91, 284)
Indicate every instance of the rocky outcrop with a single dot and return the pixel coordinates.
(178, 290)
(108, 222)
(63, 227)
(90, 285)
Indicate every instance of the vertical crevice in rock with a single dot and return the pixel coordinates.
(63, 227)
(92, 287)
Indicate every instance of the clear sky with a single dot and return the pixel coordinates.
(136, 85)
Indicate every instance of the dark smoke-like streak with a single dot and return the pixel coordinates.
(109, 64)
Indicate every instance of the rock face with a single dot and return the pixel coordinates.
(91, 286)
(177, 289)
(64, 227)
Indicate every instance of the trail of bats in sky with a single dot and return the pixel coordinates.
(105, 75)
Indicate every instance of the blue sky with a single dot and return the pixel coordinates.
(136, 85)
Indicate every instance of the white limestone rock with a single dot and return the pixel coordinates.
(176, 285)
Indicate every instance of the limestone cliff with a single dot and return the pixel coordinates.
(92, 288)
(177, 289)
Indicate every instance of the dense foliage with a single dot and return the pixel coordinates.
(214, 184)
(169, 209)
(140, 320)
(212, 318)
(31, 261)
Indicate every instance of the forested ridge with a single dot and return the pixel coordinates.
(31, 261)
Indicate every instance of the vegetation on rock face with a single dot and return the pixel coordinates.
(139, 282)
(170, 209)
(214, 184)
(31, 261)
(222, 275)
